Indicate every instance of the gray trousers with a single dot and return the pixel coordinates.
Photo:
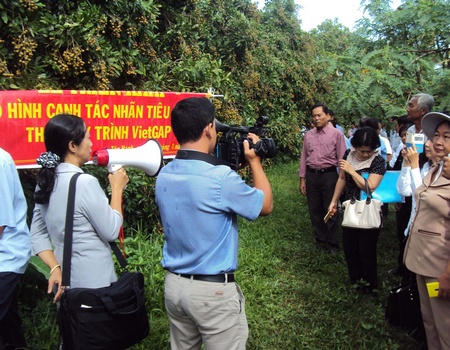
(205, 312)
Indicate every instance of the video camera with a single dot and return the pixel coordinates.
(230, 146)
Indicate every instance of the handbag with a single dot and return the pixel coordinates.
(362, 214)
(403, 306)
(113, 317)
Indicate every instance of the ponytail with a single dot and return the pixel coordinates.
(58, 133)
(46, 176)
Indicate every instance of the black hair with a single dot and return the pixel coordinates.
(366, 136)
(324, 107)
(404, 127)
(404, 120)
(58, 133)
(189, 117)
(368, 121)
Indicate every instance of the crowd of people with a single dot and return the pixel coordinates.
(199, 198)
(422, 217)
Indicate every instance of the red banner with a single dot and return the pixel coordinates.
(116, 119)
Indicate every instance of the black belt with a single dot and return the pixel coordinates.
(322, 171)
(211, 278)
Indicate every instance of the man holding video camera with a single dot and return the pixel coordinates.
(199, 199)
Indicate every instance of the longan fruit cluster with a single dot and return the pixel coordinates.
(231, 115)
(24, 48)
(131, 69)
(92, 42)
(4, 68)
(227, 112)
(100, 73)
(102, 23)
(146, 49)
(116, 27)
(143, 20)
(132, 32)
(71, 61)
(29, 5)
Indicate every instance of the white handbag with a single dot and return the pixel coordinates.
(363, 214)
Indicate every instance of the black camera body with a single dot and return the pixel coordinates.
(230, 146)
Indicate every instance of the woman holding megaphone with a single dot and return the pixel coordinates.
(95, 222)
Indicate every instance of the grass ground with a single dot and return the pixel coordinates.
(296, 297)
(299, 297)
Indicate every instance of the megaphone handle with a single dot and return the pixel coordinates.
(112, 168)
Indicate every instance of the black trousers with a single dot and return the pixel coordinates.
(360, 250)
(11, 333)
(319, 192)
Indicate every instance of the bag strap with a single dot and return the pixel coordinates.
(120, 258)
(195, 155)
(369, 193)
(68, 232)
(68, 236)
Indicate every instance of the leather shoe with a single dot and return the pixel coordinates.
(333, 251)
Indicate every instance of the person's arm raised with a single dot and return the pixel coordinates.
(118, 181)
(260, 180)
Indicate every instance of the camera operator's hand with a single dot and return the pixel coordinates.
(249, 153)
(260, 180)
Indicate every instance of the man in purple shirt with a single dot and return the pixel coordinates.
(323, 147)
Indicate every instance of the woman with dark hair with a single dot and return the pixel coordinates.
(360, 245)
(96, 222)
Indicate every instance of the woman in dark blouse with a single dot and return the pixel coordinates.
(360, 245)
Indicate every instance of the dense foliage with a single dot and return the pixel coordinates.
(260, 60)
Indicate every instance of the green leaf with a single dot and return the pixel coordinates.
(40, 267)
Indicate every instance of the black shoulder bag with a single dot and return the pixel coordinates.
(113, 317)
(403, 306)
